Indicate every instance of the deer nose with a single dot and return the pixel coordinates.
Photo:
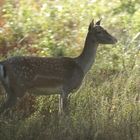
(115, 40)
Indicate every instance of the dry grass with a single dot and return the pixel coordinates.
(105, 111)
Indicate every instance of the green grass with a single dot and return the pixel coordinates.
(103, 109)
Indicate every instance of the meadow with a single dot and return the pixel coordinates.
(107, 106)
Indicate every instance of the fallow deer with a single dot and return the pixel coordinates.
(45, 76)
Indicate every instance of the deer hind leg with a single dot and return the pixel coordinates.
(9, 102)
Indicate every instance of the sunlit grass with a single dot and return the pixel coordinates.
(109, 110)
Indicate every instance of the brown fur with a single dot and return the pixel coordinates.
(42, 75)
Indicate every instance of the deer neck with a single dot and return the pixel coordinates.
(87, 57)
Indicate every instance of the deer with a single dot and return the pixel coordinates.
(51, 75)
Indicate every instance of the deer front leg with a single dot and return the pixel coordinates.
(63, 103)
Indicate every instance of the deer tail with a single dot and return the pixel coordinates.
(2, 71)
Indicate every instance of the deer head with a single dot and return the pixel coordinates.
(99, 34)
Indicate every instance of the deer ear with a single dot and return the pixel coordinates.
(91, 25)
(98, 22)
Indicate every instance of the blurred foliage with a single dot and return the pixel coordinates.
(108, 104)
(58, 27)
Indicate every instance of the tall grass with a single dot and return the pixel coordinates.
(105, 110)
